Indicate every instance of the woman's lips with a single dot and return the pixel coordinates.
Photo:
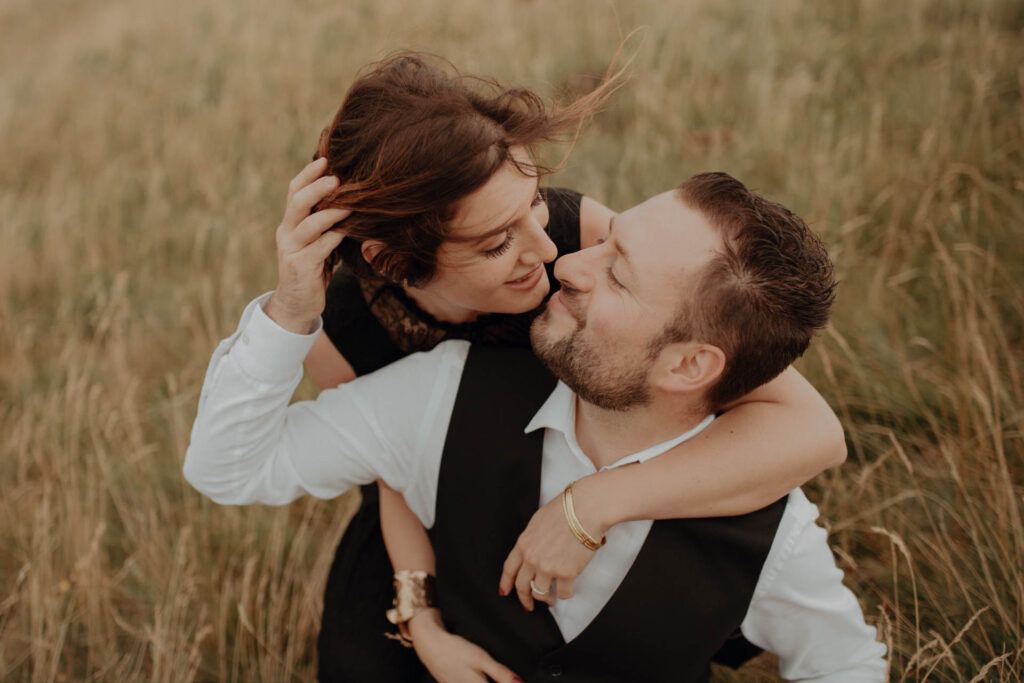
(527, 281)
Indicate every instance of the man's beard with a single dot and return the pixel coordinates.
(595, 377)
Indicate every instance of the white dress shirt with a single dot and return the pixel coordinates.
(249, 446)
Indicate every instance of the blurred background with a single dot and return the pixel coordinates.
(145, 148)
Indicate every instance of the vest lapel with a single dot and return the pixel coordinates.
(488, 489)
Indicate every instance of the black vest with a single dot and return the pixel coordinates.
(681, 603)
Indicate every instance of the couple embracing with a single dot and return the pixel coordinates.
(579, 434)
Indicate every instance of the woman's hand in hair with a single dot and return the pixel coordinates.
(452, 659)
(304, 241)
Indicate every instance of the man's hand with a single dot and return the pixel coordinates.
(451, 659)
(304, 241)
(548, 553)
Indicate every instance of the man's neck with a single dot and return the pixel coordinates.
(606, 436)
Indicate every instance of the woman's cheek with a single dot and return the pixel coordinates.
(492, 273)
(498, 270)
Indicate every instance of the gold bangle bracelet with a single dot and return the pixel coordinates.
(581, 534)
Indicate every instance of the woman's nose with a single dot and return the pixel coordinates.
(540, 249)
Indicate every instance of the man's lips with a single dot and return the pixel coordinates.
(558, 299)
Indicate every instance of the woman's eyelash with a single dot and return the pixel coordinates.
(509, 236)
(502, 248)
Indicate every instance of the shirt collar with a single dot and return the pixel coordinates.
(559, 413)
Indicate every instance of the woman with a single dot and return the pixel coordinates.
(448, 236)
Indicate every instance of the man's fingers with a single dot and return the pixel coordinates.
(315, 225)
(311, 172)
(523, 588)
(565, 588)
(302, 202)
(508, 574)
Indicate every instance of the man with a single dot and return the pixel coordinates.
(695, 298)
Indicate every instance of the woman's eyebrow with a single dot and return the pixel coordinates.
(496, 231)
(476, 239)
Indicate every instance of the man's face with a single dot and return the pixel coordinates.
(599, 334)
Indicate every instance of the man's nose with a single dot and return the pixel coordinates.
(575, 271)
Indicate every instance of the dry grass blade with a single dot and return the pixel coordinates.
(144, 151)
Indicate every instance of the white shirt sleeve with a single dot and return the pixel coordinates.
(803, 613)
(249, 446)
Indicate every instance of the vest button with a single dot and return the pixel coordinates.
(554, 670)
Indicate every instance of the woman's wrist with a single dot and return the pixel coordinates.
(596, 503)
(425, 623)
(414, 594)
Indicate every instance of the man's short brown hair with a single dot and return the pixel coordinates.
(762, 298)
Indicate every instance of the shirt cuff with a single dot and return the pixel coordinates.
(267, 352)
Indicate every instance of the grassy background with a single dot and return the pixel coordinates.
(144, 152)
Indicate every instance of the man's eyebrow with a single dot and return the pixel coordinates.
(618, 245)
(498, 230)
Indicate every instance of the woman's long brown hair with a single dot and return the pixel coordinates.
(413, 137)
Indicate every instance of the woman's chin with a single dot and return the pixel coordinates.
(537, 295)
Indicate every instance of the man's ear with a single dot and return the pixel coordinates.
(370, 250)
(689, 367)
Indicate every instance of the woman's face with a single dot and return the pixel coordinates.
(493, 260)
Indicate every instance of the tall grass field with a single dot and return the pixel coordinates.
(145, 149)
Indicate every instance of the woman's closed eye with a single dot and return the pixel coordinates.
(501, 248)
(497, 251)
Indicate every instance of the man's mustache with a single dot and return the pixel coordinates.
(568, 297)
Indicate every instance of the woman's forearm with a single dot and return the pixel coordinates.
(776, 439)
(405, 538)
(325, 364)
